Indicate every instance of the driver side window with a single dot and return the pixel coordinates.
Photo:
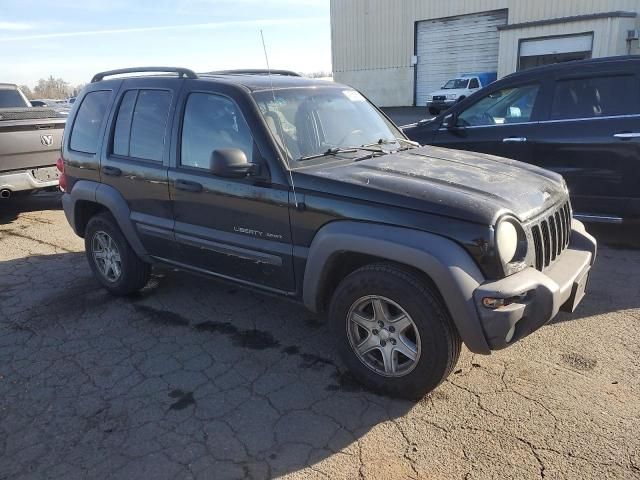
(212, 122)
(506, 106)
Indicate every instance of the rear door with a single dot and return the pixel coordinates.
(502, 122)
(236, 228)
(591, 136)
(136, 159)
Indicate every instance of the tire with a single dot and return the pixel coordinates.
(133, 272)
(434, 111)
(435, 338)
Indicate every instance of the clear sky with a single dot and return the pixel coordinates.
(73, 39)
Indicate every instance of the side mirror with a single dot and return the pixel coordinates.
(450, 122)
(231, 162)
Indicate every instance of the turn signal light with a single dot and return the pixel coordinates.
(493, 303)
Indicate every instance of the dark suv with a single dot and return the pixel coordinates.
(303, 188)
(580, 119)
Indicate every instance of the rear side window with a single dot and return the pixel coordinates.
(141, 124)
(594, 97)
(123, 124)
(86, 127)
(474, 83)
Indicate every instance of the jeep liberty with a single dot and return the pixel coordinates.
(303, 188)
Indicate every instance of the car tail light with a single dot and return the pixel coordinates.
(62, 180)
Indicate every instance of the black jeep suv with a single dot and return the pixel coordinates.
(304, 189)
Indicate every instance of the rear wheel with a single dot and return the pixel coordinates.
(394, 333)
(112, 260)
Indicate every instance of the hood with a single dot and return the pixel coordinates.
(470, 186)
(449, 91)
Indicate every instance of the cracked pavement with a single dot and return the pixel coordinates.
(198, 379)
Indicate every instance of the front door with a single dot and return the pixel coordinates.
(235, 228)
(136, 160)
(591, 136)
(500, 123)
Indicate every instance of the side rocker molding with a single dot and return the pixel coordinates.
(449, 266)
(111, 199)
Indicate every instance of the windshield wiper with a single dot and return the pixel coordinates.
(330, 151)
(368, 147)
(387, 141)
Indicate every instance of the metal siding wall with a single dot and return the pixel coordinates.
(369, 35)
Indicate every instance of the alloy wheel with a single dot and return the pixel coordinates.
(106, 256)
(383, 336)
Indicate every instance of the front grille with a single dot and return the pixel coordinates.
(551, 236)
(439, 97)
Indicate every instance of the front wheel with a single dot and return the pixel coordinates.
(111, 258)
(434, 111)
(394, 333)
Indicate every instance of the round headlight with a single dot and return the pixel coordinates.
(507, 240)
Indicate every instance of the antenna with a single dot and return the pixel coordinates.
(273, 93)
(266, 57)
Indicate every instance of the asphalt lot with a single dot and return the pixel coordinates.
(406, 115)
(198, 379)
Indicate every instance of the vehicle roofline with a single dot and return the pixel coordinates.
(572, 64)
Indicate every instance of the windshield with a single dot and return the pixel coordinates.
(311, 121)
(11, 99)
(456, 83)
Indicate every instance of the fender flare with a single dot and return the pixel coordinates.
(451, 268)
(112, 200)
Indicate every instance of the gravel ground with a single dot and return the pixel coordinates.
(198, 379)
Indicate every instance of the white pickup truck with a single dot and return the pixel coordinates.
(456, 89)
(30, 140)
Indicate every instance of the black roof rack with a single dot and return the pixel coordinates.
(573, 63)
(182, 72)
(255, 71)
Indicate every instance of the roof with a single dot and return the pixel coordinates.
(573, 64)
(8, 86)
(254, 80)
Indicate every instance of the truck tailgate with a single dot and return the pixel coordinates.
(29, 143)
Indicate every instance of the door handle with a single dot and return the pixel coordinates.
(111, 171)
(627, 135)
(514, 139)
(188, 186)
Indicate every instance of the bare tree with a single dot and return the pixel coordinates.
(55, 88)
(27, 91)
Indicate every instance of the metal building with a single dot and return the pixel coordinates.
(397, 51)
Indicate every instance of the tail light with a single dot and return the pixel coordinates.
(62, 180)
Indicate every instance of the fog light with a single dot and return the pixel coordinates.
(493, 303)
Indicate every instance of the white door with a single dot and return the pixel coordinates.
(448, 47)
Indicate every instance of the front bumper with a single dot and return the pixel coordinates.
(32, 179)
(539, 296)
(441, 105)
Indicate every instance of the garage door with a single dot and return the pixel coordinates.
(545, 51)
(451, 46)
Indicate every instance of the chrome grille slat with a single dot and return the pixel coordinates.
(551, 236)
(554, 237)
(560, 227)
(537, 245)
